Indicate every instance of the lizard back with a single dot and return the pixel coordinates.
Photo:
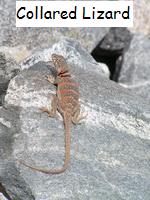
(67, 88)
(68, 94)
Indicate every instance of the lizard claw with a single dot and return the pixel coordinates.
(51, 113)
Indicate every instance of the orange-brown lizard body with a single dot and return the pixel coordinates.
(66, 101)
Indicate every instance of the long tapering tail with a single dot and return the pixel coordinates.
(67, 126)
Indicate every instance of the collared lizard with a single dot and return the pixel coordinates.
(66, 101)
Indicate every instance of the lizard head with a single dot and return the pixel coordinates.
(60, 64)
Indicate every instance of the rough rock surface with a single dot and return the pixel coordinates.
(8, 69)
(141, 17)
(135, 71)
(14, 185)
(109, 150)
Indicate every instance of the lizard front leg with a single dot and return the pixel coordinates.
(51, 79)
(54, 104)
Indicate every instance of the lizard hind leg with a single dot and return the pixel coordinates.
(54, 105)
(78, 116)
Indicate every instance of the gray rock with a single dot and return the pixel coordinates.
(12, 184)
(109, 150)
(17, 53)
(141, 17)
(135, 72)
(8, 69)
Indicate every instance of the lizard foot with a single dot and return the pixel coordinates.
(77, 118)
(50, 113)
(50, 79)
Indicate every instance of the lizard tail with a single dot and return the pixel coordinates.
(67, 125)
